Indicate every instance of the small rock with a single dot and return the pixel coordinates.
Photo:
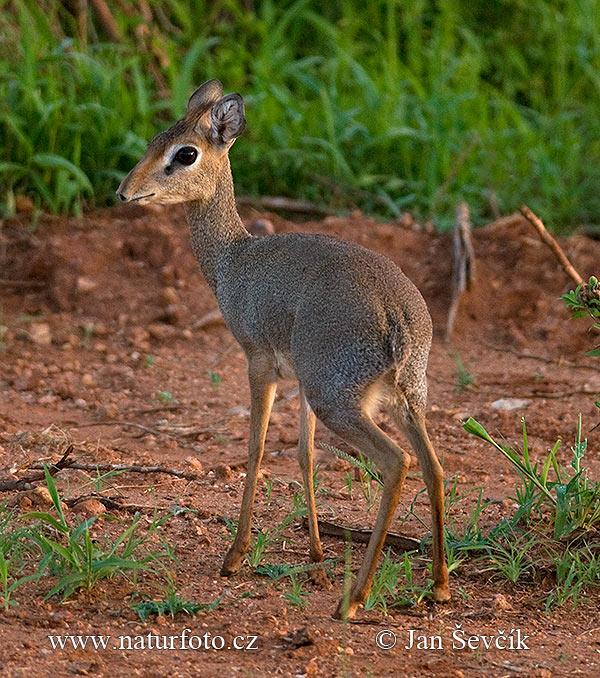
(542, 673)
(138, 336)
(160, 331)
(80, 403)
(108, 411)
(312, 668)
(224, 473)
(169, 296)
(299, 638)
(195, 464)
(501, 603)
(88, 380)
(261, 227)
(40, 334)
(509, 404)
(28, 381)
(239, 411)
(161, 620)
(168, 274)
(88, 508)
(85, 285)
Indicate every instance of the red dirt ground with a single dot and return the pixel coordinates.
(107, 319)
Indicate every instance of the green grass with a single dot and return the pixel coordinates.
(385, 105)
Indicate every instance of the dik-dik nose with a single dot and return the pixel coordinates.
(122, 196)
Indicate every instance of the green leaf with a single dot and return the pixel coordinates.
(53, 161)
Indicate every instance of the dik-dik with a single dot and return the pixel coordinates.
(343, 321)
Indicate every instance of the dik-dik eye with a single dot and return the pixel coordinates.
(186, 155)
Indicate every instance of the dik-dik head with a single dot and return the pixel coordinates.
(183, 162)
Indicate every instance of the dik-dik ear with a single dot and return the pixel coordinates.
(227, 120)
(210, 91)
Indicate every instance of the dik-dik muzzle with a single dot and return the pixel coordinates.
(183, 163)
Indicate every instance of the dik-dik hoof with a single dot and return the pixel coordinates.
(232, 562)
(441, 593)
(346, 609)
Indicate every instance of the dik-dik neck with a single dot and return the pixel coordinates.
(215, 226)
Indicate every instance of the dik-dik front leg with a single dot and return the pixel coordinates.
(262, 393)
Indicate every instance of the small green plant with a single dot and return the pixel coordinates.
(584, 301)
(465, 379)
(149, 360)
(258, 544)
(70, 553)
(511, 556)
(576, 572)
(172, 604)
(370, 480)
(15, 547)
(215, 379)
(394, 584)
(295, 593)
(166, 398)
(572, 496)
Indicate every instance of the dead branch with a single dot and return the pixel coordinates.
(125, 468)
(131, 424)
(537, 223)
(463, 270)
(53, 469)
(397, 541)
(268, 202)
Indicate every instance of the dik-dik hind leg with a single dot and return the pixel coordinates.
(306, 458)
(393, 463)
(262, 393)
(414, 427)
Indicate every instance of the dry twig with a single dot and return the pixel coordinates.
(23, 483)
(537, 223)
(397, 541)
(463, 272)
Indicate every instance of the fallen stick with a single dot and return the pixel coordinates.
(53, 469)
(362, 536)
(133, 468)
(537, 223)
(131, 424)
(463, 267)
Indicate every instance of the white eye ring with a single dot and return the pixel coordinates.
(171, 155)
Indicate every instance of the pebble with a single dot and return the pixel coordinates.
(40, 334)
(85, 285)
(89, 508)
(88, 380)
(509, 404)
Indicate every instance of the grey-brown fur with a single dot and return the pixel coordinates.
(341, 319)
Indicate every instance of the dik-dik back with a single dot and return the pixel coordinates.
(342, 320)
